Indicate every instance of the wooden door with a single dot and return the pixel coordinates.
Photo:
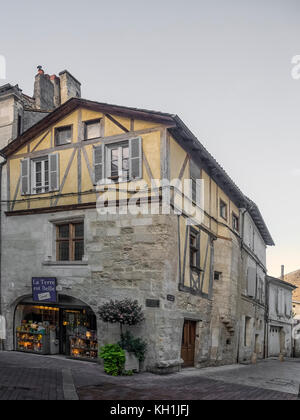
(188, 343)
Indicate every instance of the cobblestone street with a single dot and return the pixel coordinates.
(32, 377)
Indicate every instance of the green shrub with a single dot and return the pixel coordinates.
(133, 345)
(114, 359)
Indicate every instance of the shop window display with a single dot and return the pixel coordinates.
(53, 330)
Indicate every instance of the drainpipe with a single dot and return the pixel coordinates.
(1, 169)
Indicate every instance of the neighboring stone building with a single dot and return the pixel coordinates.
(239, 301)
(18, 111)
(200, 280)
(280, 318)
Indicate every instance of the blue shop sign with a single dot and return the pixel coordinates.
(44, 289)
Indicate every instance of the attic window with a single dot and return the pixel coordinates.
(63, 135)
(92, 129)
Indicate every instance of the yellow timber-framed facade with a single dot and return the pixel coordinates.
(49, 180)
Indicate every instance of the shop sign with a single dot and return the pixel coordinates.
(44, 289)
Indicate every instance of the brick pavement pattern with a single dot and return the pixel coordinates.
(34, 377)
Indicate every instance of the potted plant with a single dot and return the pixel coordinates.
(126, 312)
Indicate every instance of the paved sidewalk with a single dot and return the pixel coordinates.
(25, 376)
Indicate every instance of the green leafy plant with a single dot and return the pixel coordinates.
(114, 359)
(133, 345)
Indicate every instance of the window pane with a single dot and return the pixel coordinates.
(92, 130)
(64, 251)
(78, 250)
(125, 152)
(64, 231)
(79, 230)
(63, 135)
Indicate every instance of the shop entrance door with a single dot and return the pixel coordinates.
(188, 343)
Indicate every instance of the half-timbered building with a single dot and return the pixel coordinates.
(62, 258)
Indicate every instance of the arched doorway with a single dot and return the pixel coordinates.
(68, 327)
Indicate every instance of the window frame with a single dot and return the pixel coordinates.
(90, 122)
(56, 133)
(33, 187)
(196, 251)
(108, 148)
(225, 205)
(235, 216)
(71, 239)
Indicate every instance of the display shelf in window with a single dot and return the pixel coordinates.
(84, 346)
(33, 342)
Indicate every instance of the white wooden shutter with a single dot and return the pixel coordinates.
(54, 172)
(251, 282)
(135, 158)
(98, 163)
(25, 176)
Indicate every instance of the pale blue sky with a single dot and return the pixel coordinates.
(224, 66)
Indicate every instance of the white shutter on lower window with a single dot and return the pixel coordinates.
(98, 163)
(25, 176)
(54, 172)
(135, 158)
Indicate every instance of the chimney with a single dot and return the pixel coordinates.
(43, 91)
(56, 85)
(69, 86)
(282, 272)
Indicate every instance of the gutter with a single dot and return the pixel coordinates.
(1, 171)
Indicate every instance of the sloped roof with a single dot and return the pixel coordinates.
(280, 282)
(178, 130)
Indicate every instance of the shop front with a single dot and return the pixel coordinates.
(66, 327)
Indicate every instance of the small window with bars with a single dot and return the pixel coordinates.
(70, 241)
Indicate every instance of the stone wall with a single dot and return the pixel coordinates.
(134, 257)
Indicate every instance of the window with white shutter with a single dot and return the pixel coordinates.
(54, 171)
(251, 282)
(25, 176)
(135, 158)
(98, 163)
(118, 162)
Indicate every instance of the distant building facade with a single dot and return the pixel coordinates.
(280, 318)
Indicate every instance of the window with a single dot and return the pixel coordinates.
(195, 174)
(63, 135)
(20, 125)
(92, 129)
(117, 162)
(40, 176)
(247, 332)
(217, 275)
(223, 210)
(70, 241)
(235, 222)
(195, 250)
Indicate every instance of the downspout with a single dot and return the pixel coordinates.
(242, 240)
(1, 170)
